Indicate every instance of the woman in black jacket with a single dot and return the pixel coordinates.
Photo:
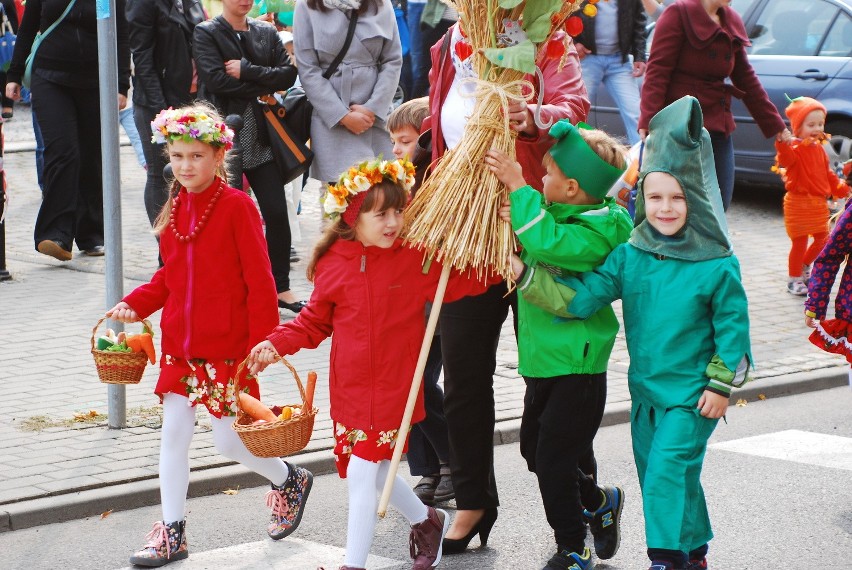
(12, 16)
(239, 58)
(163, 76)
(66, 102)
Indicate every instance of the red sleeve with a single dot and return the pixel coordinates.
(150, 297)
(459, 285)
(261, 300)
(756, 100)
(312, 325)
(787, 156)
(668, 42)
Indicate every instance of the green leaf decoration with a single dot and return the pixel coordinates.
(537, 15)
(520, 57)
(508, 4)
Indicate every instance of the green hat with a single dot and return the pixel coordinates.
(678, 144)
(577, 160)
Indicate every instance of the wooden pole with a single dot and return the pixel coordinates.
(402, 434)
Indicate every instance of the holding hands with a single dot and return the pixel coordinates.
(261, 356)
(358, 120)
(122, 312)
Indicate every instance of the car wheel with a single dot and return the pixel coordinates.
(839, 148)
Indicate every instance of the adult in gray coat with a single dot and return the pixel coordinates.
(351, 107)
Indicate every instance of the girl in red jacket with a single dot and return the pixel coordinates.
(214, 256)
(810, 182)
(370, 291)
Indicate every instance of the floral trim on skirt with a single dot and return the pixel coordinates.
(833, 336)
(371, 445)
(207, 382)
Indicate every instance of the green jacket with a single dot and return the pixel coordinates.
(686, 322)
(565, 240)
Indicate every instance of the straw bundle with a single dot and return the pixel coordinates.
(454, 214)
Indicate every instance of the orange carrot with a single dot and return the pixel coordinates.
(148, 347)
(309, 393)
(134, 343)
(255, 408)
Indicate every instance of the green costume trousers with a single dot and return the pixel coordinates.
(669, 447)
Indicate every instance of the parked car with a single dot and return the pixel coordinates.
(798, 48)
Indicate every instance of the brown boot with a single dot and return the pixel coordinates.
(426, 538)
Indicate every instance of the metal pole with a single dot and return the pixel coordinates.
(4, 274)
(108, 84)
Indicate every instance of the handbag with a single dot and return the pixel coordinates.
(288, 120)
(7, 41)
(28, 67)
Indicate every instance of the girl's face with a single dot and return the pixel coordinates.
(813, 125)
(194, 164)
(665, 204)
(379, 228)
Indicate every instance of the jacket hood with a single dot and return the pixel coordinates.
(679, 145)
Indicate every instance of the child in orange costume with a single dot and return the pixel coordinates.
(809, 181)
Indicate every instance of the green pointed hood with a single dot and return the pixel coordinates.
(678, 144)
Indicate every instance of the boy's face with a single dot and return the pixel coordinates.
(813, 125)
(555, 184)
(665, 203)
(404, 141)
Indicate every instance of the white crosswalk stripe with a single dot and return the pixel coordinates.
(287, 554)
(798, 446)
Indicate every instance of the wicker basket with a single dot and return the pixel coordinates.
(278, 438)
(119, 367)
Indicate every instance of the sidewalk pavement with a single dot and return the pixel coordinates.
(60, 462)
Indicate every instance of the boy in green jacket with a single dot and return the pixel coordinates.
(568, 228)
(686, 323)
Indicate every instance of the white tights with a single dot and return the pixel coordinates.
(177, 431)
(366, 481)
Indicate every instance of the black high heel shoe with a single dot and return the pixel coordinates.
(295, 306)
(482, 528)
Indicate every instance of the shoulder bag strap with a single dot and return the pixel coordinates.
(350, 33)
(59, 20)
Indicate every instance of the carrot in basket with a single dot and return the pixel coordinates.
(255, 408)
(309, 393)
(142, 343)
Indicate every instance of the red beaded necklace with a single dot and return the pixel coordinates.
(201, 222)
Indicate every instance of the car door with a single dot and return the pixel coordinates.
(786, 36)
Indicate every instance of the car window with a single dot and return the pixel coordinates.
(742, 6)
(791, 27)
(838, 42)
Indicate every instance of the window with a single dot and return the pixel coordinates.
(838, 42)
(791, 27)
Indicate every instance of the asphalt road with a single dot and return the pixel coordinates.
(768, 512)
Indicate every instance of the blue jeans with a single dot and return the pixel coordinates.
(125, 118)
(420, 62)
(621, 85)
(39, 153)
(723, 156)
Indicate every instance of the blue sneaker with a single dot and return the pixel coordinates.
(605, 523)
(567, 560)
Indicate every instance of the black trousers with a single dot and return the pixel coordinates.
(470, 329)
(72, 208)
(268, 187)
(428, 442)
(561, 417)
(156, 187)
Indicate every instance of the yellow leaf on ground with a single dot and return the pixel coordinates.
(761, 396)
(742, 403)
(105, 514)
(231, 491)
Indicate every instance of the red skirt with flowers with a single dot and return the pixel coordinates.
(207, 382)
(370, 445)
(835, 336)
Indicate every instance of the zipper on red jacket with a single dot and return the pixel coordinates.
(370, 334)
(187, 309)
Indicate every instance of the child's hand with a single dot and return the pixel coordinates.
(810, 322)
(261, 356)
(712, 405)
(123, 313)
(505, 212)
(508, 171)
(784, 136)
(517, 266)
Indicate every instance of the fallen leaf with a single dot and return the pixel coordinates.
(231, 491)
(761, 396)
(93, 413)
(105, 514)
(742, 403)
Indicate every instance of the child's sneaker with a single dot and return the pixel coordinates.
(166, 543)
(288, 502)
(605, 523)
(697, 564)
(797, 287)
(426, 539)
(567, 560)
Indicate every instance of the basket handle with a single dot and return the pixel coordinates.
(281, 359)
(145, 322)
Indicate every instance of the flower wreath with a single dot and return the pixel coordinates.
(172, 125)
(345, 197)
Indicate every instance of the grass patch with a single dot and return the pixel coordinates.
(142, 416)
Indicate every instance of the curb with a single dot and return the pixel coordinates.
(209, 481)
